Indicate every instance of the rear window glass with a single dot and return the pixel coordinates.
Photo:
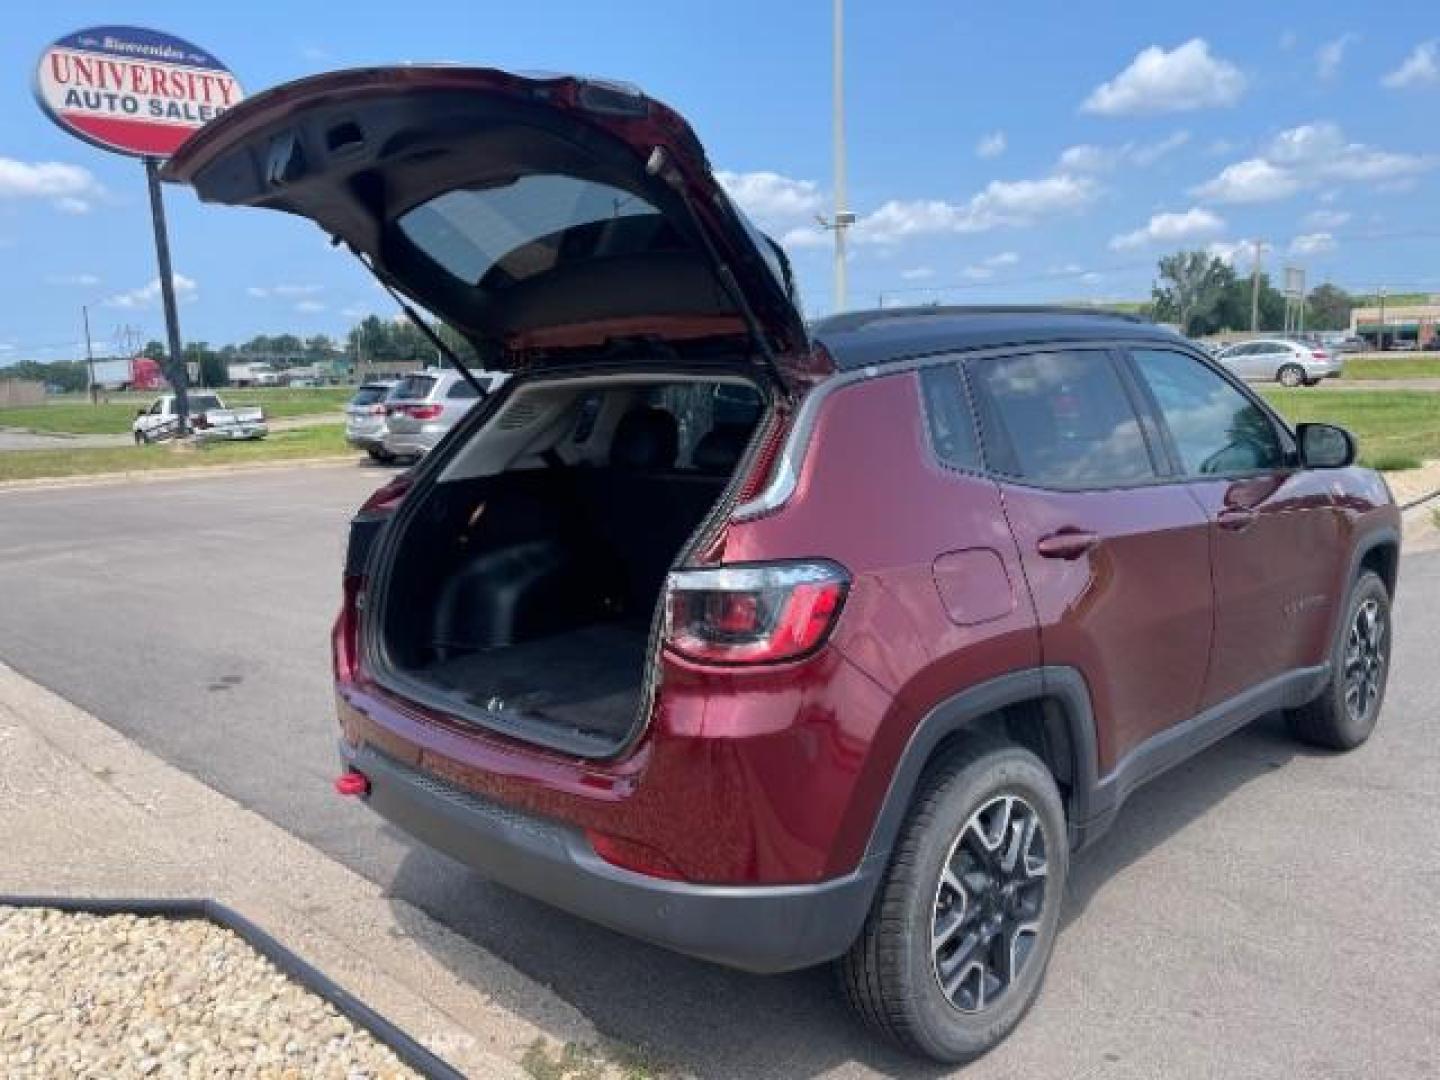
(413, 387)
(947, 412)
(510, 233)
(462, 389)
(369, 395)
(1061, 419)
(203, 402)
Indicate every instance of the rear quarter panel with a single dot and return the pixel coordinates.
(938, 600)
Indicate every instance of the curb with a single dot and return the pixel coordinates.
(317, 982)
(148, 476)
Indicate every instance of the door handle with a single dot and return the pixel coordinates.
(1067, 543)
(1236, 518)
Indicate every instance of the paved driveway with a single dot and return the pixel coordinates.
(1263, 911)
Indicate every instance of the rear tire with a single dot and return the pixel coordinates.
(1291, 375)
(982, 917)
(141, 438)
(381, 456)
(1345, 713)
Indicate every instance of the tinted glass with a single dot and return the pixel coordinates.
(1216, 429)
(1060, 419)
(526, 227)
(414, 387)
(203, 402)
(462, 389)
(947, 413)
(369, 395)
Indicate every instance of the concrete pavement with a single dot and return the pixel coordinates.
(1262, 911)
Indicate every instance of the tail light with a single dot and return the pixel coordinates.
(1319, 354)
(385, 498)
(345, 634)
(420, 412)
(752, 614)
(377, 410)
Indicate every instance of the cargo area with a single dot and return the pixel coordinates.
(523, 587)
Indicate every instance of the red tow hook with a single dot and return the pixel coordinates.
(352, 782)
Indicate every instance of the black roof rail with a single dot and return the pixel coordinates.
(856, 320)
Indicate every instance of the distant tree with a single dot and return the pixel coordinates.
(212, 367)
(71, 376)
(155, 350)
(1328, 308)
(319, 347)
(1190, 284)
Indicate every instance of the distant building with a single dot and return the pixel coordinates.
(21, 392)
(1419, 323)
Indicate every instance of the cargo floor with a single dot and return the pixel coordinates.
(587, 679)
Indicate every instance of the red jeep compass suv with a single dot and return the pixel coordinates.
(778, 645)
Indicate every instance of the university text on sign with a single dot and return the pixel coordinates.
(132, 90)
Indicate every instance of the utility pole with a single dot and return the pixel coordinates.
(843, 217)
(1380, 338)
(1255, 291)
(89, 354)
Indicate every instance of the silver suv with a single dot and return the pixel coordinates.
(365, 417)
(425, 405)
(1290, 363)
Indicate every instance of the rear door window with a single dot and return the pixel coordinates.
(462, 389)
(1060, 419)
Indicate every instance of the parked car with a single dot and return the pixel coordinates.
(1400, 344)
(1290, 363)
(773, 647)
(211, 420)
(1352, 343)
(424, 406)
(365, 417)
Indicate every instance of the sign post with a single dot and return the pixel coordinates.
(141, 93)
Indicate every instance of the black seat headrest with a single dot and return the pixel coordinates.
(645, 438)
(719, 451)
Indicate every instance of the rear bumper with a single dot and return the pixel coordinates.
(406, 443)
(768, 928)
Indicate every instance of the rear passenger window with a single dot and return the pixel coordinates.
(947, 412)
(1216, 429)
(1060, 419)
(462, 389)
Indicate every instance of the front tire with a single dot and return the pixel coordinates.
(141, 438)
(1345, 713)
(1291, 375)
(954, 950)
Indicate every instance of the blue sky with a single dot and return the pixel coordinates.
(1010, 152)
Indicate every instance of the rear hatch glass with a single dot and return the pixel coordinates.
(369, 395)
(414, 388)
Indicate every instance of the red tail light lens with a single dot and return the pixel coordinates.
(345, 634)
(752, 614)
(421, 412)
(377, 410)
(1319, 354)
(385, 498)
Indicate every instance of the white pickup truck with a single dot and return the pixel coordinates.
(210, 420)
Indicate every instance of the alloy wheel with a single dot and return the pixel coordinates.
(988, 903)
(1365, 660)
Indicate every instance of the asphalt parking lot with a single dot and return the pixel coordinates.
(1262, 911)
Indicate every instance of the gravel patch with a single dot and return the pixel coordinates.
(126, 996)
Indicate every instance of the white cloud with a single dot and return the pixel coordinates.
(1255, 180)
(1172, 228)
(78, 280)
(262, 292)
(1156, 81)
(1230, 251)
(309, 307)
(805, 236)
(148, 295)
(918, 273)
(1331, 55)
(1421, 68)
(1089, 158)
(991, 146)
(68, 188)
(1316, 243)
(1327, 219)
(773, 200)
(1306, 156)
(1001, 203)
(1004, 258)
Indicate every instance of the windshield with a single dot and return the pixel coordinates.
(204, 402)
(414, 387)
(501, 235)
(369, 395)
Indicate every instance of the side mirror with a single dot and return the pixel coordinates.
(1325, 446)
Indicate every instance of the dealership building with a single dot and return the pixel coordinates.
(1419, 323)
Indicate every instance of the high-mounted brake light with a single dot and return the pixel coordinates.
(752, 614)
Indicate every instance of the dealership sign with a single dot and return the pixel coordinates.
(131, 90)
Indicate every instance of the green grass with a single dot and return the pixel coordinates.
(1392, 367)
(1396, 429)
(320, 441)
(73, 415)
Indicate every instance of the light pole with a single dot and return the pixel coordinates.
(843, 217)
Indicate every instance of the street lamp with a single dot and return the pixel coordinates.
(844, 218)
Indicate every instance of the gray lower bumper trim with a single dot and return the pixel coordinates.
(756, 928)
